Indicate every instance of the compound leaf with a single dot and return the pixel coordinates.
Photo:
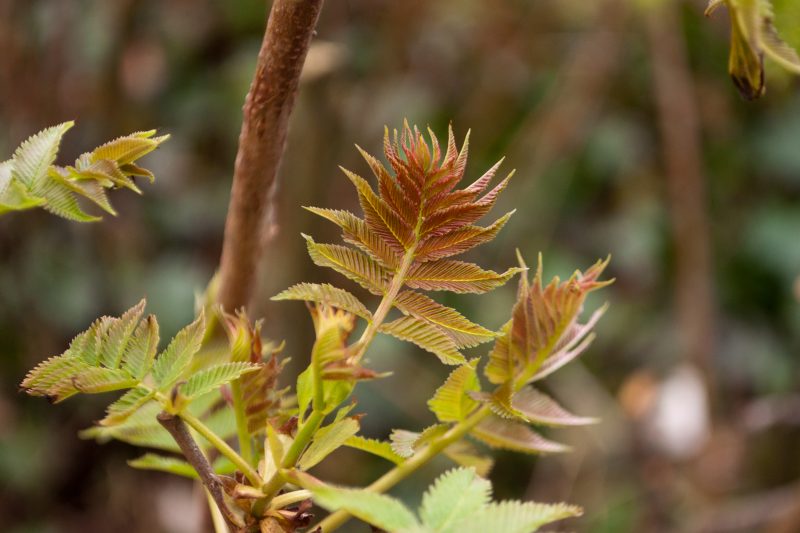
(452, 496)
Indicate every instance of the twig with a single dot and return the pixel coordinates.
(261, 142)
(681, 143)
(177, 428)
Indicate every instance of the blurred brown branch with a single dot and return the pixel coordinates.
(567, 113)
(685, 181)
(262, 139)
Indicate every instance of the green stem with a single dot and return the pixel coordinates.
(410, 465)
(385, 306)
(223, 448)
(279, 502)
(301, 440)
(245, 443)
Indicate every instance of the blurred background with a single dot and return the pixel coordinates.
(628, 138)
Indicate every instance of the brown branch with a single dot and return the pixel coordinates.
(261, 142)
(685, 181)
(177, 428)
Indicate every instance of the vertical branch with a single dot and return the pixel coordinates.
(681, 144)
(176, 427)
(261, 142)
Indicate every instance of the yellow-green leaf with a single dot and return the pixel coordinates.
(452, 402)
(375, 447)
(172, 361)
(327, 440)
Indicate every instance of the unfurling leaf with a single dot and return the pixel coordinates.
(96, 360)
(539, 408)
(173, 361)
(126, 405)
(31, 179)
(544, 332)
(258, 389)
(753, 35)
(413, 221)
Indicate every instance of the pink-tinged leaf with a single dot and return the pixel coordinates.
(379, 216)
(539, 408)
(461, 215)
(459, 241)
(456, 276)
(544, 327)
(465, 454)
(390, 191)
(481, 183)
(515, 436)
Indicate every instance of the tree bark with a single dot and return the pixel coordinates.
(261, 144)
